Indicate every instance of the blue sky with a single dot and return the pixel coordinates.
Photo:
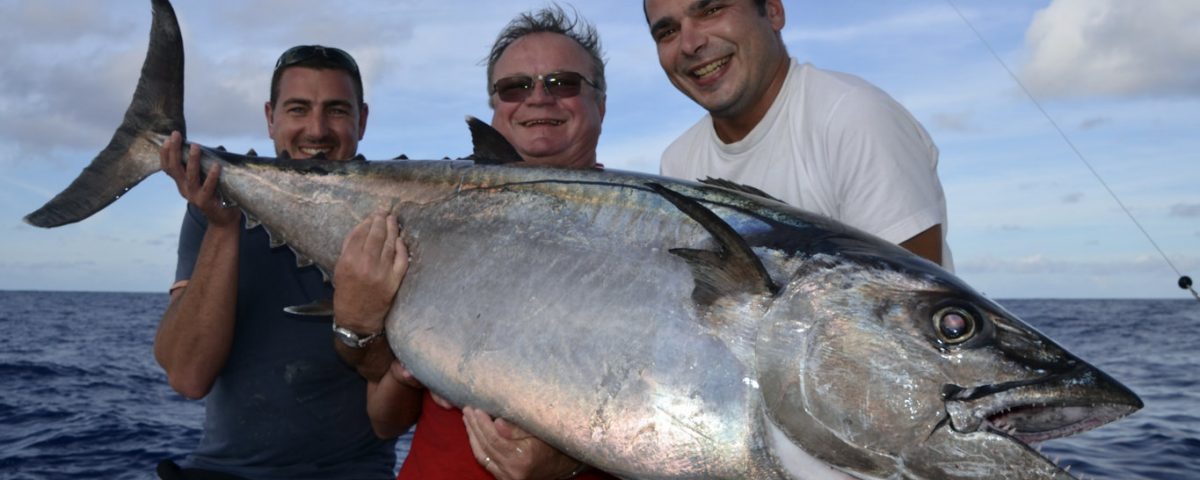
(1027, 218)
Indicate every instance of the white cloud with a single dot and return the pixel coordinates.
(1114, 47)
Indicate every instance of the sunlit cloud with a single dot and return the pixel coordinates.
(1114, 47)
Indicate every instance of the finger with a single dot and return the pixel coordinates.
(377, 235)
(170, 159)
(510, 431)
(164, 153)
(209, 189)
(387, 254)
(192, 170)
(485, 426)
(401, 374)
(441, 401)
(479, 448)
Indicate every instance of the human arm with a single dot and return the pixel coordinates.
(885, 169)
(195, 334)
(927, 244)
(368, 273)
(394, 402)
(510, 453)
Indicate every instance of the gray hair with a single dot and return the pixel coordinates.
(552, 19)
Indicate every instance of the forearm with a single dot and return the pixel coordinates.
(196, 332)
(392, 406)
(371, 361)
(927, 244)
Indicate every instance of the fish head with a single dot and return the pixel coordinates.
(886, 365)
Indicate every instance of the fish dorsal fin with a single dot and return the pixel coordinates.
(491, 148)
(732, 269)
(737, 187)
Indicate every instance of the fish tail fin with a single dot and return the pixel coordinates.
(132, 154)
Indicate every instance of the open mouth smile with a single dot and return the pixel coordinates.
(534, 123)
(708, 69)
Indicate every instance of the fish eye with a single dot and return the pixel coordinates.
(954, 325)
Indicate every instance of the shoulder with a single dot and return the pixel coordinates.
(682, 149)
(832, 91)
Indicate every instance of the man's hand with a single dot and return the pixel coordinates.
(187, 179)
(368, 274)
(510, 453)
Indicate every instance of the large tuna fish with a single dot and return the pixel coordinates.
(657, 328)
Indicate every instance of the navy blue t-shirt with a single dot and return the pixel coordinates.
(284, 405)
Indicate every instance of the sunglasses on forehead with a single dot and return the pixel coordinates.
(304, 53)
(559, 84)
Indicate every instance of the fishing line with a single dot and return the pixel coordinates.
(1185, 282)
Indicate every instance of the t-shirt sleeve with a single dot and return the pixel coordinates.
(191, 234)
(886, 167)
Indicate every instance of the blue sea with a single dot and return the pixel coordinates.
(81, 396)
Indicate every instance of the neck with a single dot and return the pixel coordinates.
(582, 161)
(734, 126)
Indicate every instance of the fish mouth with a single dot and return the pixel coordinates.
(1041, 409)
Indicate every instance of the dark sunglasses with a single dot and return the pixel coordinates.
(559, 84)
(304, 53)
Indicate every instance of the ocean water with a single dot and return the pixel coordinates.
(81, 396)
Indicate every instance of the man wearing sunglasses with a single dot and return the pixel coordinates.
(823, 141)
(279, 403)
(546, 89)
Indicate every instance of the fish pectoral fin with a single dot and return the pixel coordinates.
(737, 187)
(491, 148)
(318, 308)
(732, 269)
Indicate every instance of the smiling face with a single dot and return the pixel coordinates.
(546, 130)
(726, 55)
(317, 112)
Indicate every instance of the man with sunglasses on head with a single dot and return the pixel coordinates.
(279, 403)
(546, 89)
(823, 141)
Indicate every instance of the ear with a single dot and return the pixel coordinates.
(268, 111)
(775, 14)
(362, 121)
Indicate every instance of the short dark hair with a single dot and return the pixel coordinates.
(761, 4)
(316, 57)
(551, 19)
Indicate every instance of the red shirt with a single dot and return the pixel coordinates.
(440, 449)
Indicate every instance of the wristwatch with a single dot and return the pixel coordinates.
(351, 339)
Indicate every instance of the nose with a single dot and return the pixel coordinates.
(540, 94)
(691, 40)
(316, 126)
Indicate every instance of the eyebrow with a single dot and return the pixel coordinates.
(697, 6)
(309, 103)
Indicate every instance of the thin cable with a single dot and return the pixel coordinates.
(1063, 134)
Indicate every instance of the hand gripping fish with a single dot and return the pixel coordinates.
(651, 327)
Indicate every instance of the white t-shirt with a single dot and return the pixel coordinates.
(831, 144)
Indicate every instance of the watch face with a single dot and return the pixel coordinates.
(347, 337)
(352, 339)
